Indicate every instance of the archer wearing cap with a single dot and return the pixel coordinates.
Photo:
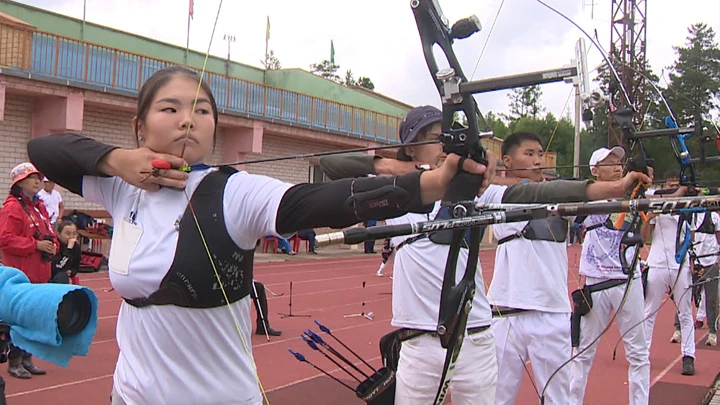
(421, 124)
(606, 283)
(601, 154)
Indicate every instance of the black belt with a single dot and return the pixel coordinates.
(509, 238)
(499, 312)
(605, 285)
(407, 333)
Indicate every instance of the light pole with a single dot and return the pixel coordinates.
(230, 39)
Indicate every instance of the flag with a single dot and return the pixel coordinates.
(191, 11)
(267, 30)
(332, 52)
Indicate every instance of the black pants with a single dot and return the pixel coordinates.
(16, 352)
(711, 297)
(2, 392)
(308, 235)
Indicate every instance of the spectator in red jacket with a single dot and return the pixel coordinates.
(28, 243)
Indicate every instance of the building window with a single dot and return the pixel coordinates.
(316, 175)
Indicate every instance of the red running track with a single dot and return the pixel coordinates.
(328, 289)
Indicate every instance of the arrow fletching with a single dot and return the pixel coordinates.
(298, 356)
(323, 328)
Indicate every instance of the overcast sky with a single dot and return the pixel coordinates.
(379, 38)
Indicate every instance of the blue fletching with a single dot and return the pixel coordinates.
(312, 344)
(298, 356)
(322, 327)
(316, 338)
(199, 166)
(669, 123)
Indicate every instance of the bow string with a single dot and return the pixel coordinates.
(210, 256)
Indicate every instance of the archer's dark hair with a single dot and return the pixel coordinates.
(672, 174)
(514, 140)
(157, 81)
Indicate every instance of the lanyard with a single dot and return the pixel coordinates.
(32, 219)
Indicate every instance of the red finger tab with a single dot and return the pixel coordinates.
(160, 164)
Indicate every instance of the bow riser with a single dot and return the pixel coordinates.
(456, 300)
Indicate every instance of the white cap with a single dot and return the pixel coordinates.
(45, 179)
(600, 154)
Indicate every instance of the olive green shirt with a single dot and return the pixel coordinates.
(556, 191)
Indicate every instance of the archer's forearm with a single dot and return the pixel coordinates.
(348, 165)
(548, 192)
(66, 158)
(342, 203)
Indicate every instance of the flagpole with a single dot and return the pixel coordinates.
(267, 41)
(187, 44)
(267, 38)
(82, 29)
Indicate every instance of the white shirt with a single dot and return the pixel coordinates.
(52, 202)
(600, 256)
(708, 244)
(419, 270)
(170, 354)
(664, 238)
(529, 274)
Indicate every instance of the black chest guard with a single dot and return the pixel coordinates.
(553, 229)
(191, 282)
(707, 226)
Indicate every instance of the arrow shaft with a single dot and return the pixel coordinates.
(351, 351)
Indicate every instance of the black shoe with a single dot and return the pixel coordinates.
(270, 331)
(688, 365)
(30, 367)
(16, 369)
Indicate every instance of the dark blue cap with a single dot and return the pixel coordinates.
(417, 119)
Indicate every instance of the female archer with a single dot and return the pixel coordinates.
(178, 232)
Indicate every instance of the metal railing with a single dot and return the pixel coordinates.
(55, 56)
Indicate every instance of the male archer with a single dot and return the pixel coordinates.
(420, 265)
(665, 273)
(605, 287)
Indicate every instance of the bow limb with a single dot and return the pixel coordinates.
(456, 299)
(211, 258)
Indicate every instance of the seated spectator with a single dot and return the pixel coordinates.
(308, 235)
(284, 246)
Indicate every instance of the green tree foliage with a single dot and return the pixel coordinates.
(693, 94)
(271, 62)
(327, 70)
(349, 79)
(365, 82)
(694, 91)
(525, 101)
